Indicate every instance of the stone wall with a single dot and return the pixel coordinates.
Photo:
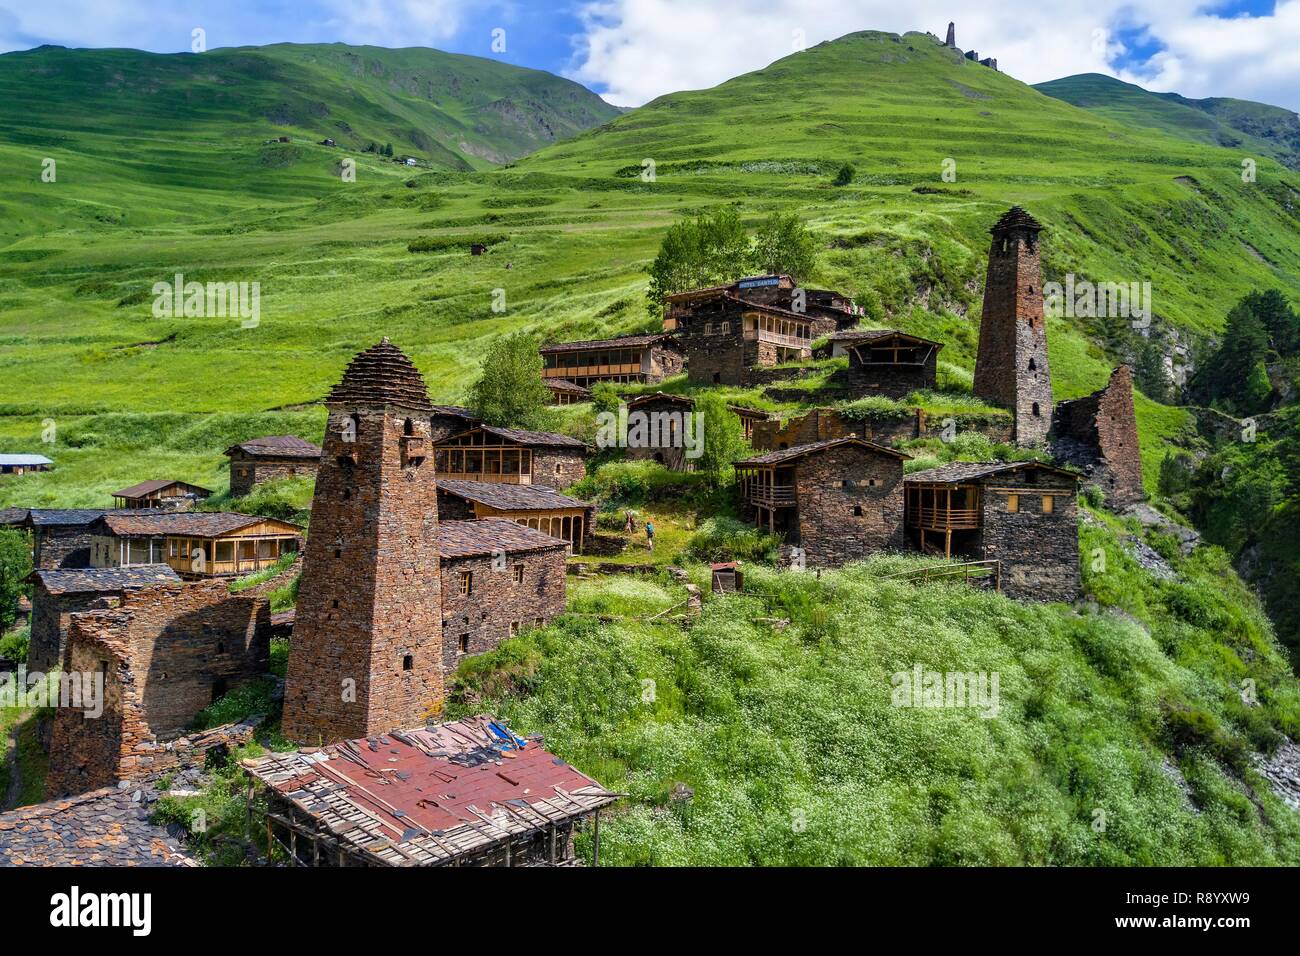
(718, 358)
(477, 622)
(891, 381)
(61, 546)
(839, 523)
(1039, 552)
(1098, 433)
(667, 433)
(246, 471)
(666, 360)
(166, 652)
(51, 617)
(558, 468)
(822, 424)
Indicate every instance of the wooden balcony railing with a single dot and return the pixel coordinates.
(587, 371)
(943, 519)
(776, 338)
(772, 496)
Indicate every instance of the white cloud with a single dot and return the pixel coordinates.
(635, 50)
(395, 23)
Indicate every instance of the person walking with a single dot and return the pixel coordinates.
(650, 536)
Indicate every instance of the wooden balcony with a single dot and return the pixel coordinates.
(776, 338)
(772, 496)
(591, 371)
(943, 519)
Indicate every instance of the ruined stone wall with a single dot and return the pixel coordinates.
(51, 617)
(830, 528)
(668, 446)
(1011, 367)
(558, 468)
(1098, 433)
(454, 508)
(665, 361)
(166, 652)
(55, 546)
(246, 472)
(367, 644)
(1039, 552)
(477, 622)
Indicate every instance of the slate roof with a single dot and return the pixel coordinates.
(661, 397)
(564, 385)
(1014, 218)
(782, 455)
(434, 794)
(24, 460)
(277, 446)
(108, 827)
(470, 539)
(622, 341)
(14, 516)
(521, 436)
(103, 580)
(200, 524)
(874, 335)
(510, 497)
(157, 484)
(745, 412)
(382, 374)
(972, 470)
(456, 411)
(44, 517)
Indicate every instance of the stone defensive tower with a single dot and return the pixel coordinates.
(951, 41)
(1011, 367)
(366, 656)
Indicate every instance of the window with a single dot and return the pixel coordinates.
(1049, 504)
(466, 582)
(514, 628)
(221, 647)
(225, 551)
(173, 546)
(463, 643)
(726, 328)
(218, 688)
(519, 574)
(408, 662)
(857, 511)
(557, 467)
(1032, 366)
(1013, 503)
(1037, 412)
(538, 622)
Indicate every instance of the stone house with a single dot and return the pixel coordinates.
(724, 343)
(194, 544)
(659, 429)
(1098, 434)
(268, 458)
(886, 362)
(165, 652)
(162, 494)
(534, 506)
(625, 359)
(511, 456)
(1011, 368)
(828, 311)
(61, 536)
(498, 578)
(838, 500)
(447, 420)
(57, 594)
(1021, 514)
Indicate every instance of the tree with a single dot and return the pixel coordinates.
(710, 249)
(845, 175)
(1279, 319)
(1232, 374)
(510, 391)
(15, 565)
(724, 439)
(1149, 371)
(783, 244)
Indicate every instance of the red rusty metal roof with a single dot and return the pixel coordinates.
(430, 794)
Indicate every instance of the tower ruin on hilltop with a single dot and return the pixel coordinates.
(1011, 367)
(366, 655)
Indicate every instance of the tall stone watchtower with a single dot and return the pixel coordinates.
(366, 656)
(1011, 367)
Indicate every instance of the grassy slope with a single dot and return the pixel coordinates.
(1254, 129)
(83, 253)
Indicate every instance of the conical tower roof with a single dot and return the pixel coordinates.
(382, 375)
(1016, 218)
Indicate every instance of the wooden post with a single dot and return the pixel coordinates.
(595, 842)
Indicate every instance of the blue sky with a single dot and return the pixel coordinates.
(633, 50)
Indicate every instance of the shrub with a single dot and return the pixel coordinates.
(726, 539)
(13, 646)
(844, 176)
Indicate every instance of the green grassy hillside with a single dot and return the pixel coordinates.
(576, 227)
(1240, 124)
